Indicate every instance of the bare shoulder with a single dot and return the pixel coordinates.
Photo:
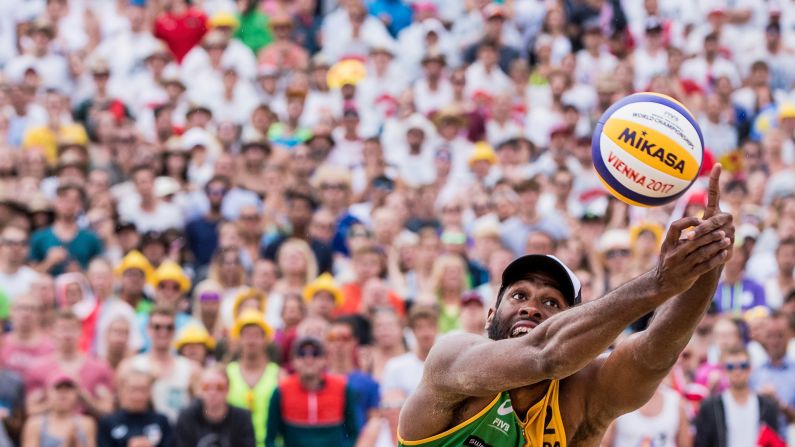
(435, 405)
(445, 352)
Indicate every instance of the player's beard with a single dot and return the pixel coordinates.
(499, 328)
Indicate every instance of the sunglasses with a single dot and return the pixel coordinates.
(15, 242)
(249, 217)
(740, 365)
(332, 337)
(216, 191)
(612, 254)
(210, 296)
(162, 327)
(214, 387)
(338, 186)
(309, 353)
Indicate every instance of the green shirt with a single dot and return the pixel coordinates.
(498, 425)
(254, 30)
(257, 399)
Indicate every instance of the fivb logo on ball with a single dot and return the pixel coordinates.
(647, 149)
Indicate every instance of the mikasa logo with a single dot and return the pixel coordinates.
(669, 158)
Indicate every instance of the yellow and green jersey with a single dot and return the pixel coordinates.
(498, 425)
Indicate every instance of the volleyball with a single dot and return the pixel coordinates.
(647, 149)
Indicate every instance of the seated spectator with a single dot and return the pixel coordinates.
(343, 348)
(404, 372)
(194, 343)
(368, 263)
(254, 376)
(311, 407)
(661, 420)
(15, 277)
(135, 423)
(323, 297)
(210, 419)
(64, 244)
(736, 292)
(61, 424)
(775, 379)
(92, 376)
(174, 377)
(738, 416)
(27, 341)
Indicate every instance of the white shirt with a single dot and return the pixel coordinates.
(17, 283)
(164, 217)
(427, 100)
(660, 430)
(493, 82)
(742, 421)
(403, 372)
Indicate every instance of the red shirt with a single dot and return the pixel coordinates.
(20, 359)
(353, 300)
(181, 32)
(93, 374)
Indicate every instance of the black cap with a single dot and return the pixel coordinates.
(516, 270)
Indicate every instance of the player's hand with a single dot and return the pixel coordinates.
(705, 246)
(713, 212)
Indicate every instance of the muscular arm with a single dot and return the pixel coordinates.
(628, 377)
(471, 365)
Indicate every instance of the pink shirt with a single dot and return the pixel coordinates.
(93, 374)
(19, 358)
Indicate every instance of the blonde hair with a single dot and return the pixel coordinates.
(331, 174)
(306, 252)
(440, 265)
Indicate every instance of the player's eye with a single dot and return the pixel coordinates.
(519, 296)
(552, 303)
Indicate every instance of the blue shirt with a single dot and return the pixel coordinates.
(366, 395)
(81, 249)
(739, 297)
(202, 237)
(780, 377)
(398, 12)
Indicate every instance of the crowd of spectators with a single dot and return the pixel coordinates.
(247, 222)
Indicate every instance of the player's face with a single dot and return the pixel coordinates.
(524, 305)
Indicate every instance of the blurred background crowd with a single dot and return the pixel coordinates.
(246, 222)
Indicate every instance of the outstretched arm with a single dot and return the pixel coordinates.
(471, 365)
(635, 368)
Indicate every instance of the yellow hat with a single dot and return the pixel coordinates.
(223, 18)
(248, 293)
(72, 135)
(171, 271)
(194, 333)
(248, 318)
(483, 152)
(135, 260)
(349, 71)
(323, 283)
(43, 137)
(786, 110)
(652, 227)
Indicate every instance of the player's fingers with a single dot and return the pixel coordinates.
(709, 225)
(676, 229)
(696, 247)
(708, 251)
(712, 263)
(713, 192)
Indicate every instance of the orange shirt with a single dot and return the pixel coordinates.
(353, 300)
